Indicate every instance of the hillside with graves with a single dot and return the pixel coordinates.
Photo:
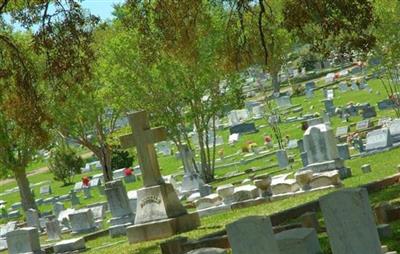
(154, 138)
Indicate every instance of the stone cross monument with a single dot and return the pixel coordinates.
(143, 138)
(158, 205)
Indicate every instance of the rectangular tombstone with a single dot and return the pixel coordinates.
(395, 130)
(53, 230)
(342, 131)
(243, 128)
(24, 240)
(119, 205)
(45, 190)
(344, 152)
(32, 218)
(283, 159)
(349, 221)
(378, 139)
(298, 241)
(365, 124)
(82, 221)
(252, 235)
(74, 245)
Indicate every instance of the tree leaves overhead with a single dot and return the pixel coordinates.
(326, 24)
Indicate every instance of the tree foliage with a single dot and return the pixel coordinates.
(64, 163)
(340, 25)
(38, 65)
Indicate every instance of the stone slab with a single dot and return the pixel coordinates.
(298, 241)
(67, 246)
(252, 235)
(349, 222)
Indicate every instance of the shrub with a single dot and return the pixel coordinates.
(121, 159)
(64, 163)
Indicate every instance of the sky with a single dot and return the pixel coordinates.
(101, 8)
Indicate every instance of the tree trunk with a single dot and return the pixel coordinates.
(204, 164)
(105, 160)
(275, 82)
(26, 195)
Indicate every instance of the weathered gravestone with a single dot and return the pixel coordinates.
(121, 212)
(349, 221)
(58, 207)
(243, 128)
(191, 179)
(378, 140)
(32, 218)
(74, 199)
(298, 241)
(159, 213)
(368, 112)
(283, 159)
(245, 192)
(342, 131)
(24, 240)
(395, 130)
(344, 152)
(300, 145)
(362, 125)
(343, 87)
(82, 221)
(310, 85)
(74, 245)
(53, 230)
(258, 112)
(329, 106)
(45, 190)
(252, 235)
(385, 104)
(322, 152)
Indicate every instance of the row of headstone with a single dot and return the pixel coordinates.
(349, 222)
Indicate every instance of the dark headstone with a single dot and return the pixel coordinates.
(243, 128)
(368, 112)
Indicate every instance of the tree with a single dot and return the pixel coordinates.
(331, 25)
(169, 56)
(64, 163)
(32, 64)
(388, 48)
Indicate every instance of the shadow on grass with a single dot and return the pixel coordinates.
(387, 194)
(147, 250)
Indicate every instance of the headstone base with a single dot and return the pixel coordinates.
(118, 230)
(162, 228)
(330, 166)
